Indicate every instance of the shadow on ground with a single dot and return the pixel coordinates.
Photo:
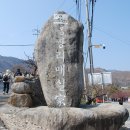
(3, 99)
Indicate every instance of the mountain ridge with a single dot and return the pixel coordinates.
(8, 62)
(119, 77)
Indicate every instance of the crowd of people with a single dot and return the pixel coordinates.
(124, 99)
(120, 100)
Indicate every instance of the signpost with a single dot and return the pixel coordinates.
(100, 78)
(104, 78)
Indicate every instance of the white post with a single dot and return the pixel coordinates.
(102, 87)
(103, 91)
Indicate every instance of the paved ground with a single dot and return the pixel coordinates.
(3, 100)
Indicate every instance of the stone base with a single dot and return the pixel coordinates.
(19, 79)
(102, 117)
(20, 100)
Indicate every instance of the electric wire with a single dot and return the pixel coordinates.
(16, 45)
(113, 37)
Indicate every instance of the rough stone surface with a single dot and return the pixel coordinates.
(19, 79)
(37, 93)
(21, 88)
(58, 53)
(103, 117)
(20, 100)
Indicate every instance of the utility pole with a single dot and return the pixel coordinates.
(89, 18)
(89, 35)
(78, 9)
(37, 32)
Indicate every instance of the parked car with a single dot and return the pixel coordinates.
(99, 100)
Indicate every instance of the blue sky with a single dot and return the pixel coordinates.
(18, 19)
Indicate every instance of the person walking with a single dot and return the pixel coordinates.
(6, 81)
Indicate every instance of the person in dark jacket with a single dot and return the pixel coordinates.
(6, 81)
(18, 73)
(120, 100)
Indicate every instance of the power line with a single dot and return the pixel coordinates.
(16, 45)
(109, 34)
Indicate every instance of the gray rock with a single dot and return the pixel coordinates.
(20, 100)
(21, 88)
(19, 79)
(58, 53)
(104, 117)
(37, 93)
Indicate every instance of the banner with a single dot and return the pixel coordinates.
(100, 78)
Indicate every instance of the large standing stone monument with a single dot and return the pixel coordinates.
(58, 54)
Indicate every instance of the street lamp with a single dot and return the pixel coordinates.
(99, 46)
(91, 54)
(91, 62)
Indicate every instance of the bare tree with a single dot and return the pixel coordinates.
(18, 66)
(31, 64)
